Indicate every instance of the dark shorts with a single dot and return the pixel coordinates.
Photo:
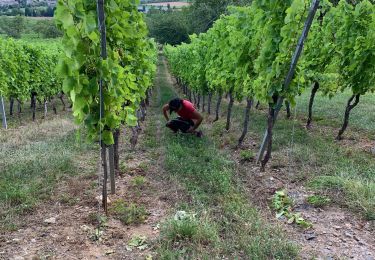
(180, 124)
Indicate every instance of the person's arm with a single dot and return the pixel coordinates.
(165, 111)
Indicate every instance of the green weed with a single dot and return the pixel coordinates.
(283, 206)
(218, 128)
(123, 167)
(192, 229)
(95, 218)
(318, 200)
(128, 213)
(139, 242)
(247, 155)
(151, 142)
(69, 200)
(138, 181)
(143, 166)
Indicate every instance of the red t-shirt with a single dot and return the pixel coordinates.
(186, 112)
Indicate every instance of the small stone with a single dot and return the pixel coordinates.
(16, 240)
(50, 220)
(337, 227)
(348, 235)
(310, 236)
(109, 252)
(85, 228)
(33, 240)
(368, 226)
(361, 243)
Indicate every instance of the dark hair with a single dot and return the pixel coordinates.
(175, 104)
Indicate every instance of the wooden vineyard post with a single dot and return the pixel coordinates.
(2, 110)
(111, 154)
(289, 77)
(249, 103)
(103, 50)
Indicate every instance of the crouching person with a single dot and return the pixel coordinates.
(188, 120)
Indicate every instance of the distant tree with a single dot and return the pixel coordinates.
(14, 27)
(21, 3)
(28, 11)
(49, 11)
(168, 27)
(47, 29)
(36, 12)
(197, 18)
(16, 11)
(203, 13)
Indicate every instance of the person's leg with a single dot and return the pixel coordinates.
(192, 123)
(178, 124)
(171, 126)
(183, 125)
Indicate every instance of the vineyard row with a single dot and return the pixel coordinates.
(248, 54)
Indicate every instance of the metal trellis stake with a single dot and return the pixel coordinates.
(103, 48)
(111, 155)
(289, 77)
(2, 110)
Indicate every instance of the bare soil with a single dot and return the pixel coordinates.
(72, 236)
(336, 233)
(65, 226)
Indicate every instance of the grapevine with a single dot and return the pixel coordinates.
(248, 52)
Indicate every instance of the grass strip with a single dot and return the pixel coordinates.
(220, 220)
